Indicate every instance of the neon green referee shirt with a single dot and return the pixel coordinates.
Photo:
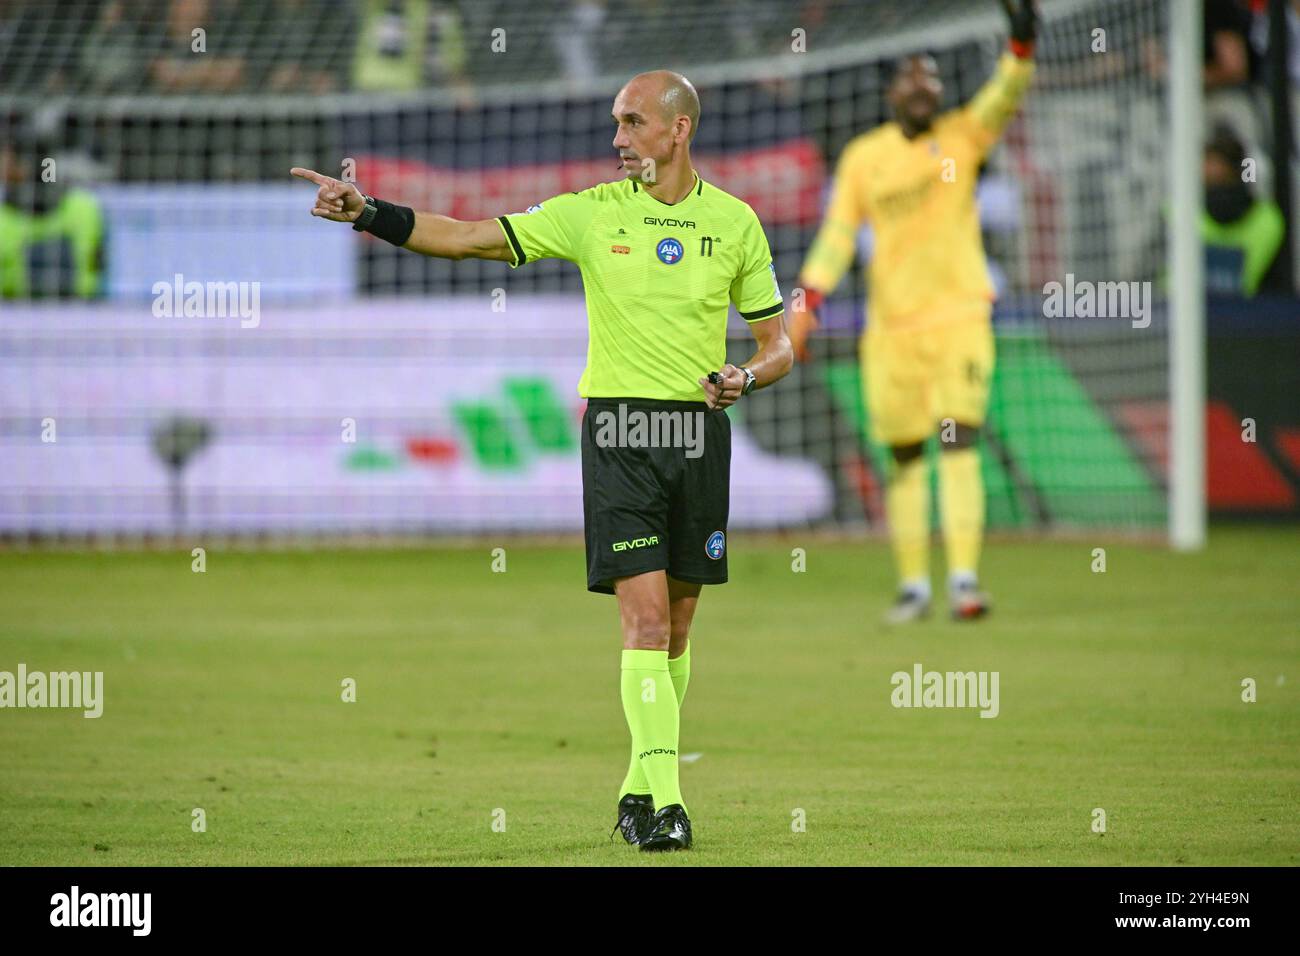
(658, 280)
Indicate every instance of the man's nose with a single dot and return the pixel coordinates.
(620, 138)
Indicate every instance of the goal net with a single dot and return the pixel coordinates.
(187, 350)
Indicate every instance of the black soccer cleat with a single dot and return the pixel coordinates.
(635, 811)
(669, 830)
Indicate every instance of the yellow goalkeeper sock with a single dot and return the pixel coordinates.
(961, 510)
(907, 502)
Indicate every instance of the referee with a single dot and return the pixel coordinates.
(662, 254)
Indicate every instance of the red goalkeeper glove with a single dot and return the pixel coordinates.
(1024, 26)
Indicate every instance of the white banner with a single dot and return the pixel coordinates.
(225, 233)
(438, 415)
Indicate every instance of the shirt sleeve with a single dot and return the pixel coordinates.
(834, 246)
(755, 291)
(550, 230)
(988, 114)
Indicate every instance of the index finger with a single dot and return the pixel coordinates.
(310, 174)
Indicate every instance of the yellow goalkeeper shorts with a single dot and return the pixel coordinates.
(916, 377)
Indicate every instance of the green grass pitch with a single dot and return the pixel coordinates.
(486, 696)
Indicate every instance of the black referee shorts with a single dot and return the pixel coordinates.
(656, 479)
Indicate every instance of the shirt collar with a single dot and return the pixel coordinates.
(696, 190)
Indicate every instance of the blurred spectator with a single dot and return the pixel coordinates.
(38, 44)
(11, 34)
(1242, 233)
(51, 235)
(407, 45)
(301, 46)
(1229, 59)
(1230, 66)
(576, 36)
(117, 45)
(1259, 36)
(217, 68)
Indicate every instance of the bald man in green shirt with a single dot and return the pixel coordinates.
(663, 254)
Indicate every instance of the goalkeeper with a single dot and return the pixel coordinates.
(927, 352)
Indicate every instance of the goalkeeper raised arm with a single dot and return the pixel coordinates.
(927, 352)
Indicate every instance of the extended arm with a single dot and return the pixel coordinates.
(448, 238)
(1000, 97)
(430, 235)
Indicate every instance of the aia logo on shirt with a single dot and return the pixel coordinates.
(669, 251)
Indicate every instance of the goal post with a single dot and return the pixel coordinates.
(1187, 503)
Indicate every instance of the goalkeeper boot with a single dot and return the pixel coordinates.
(968, 602)
(635, 811)
(669, 830)
(912, 604)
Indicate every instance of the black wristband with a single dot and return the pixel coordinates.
(389, 222)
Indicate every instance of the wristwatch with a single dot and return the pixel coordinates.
(367, 214)
(750, 381)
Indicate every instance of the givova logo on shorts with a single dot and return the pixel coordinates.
(716, 546)
(636, 543)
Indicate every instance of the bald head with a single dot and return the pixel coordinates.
(656, 114)
(671, 92)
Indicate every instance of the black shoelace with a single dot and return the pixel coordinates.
(639, 814)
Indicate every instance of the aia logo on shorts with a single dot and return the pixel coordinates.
(669, 251)
(716, 545)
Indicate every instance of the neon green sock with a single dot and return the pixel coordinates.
(650, 705)
(679, 669)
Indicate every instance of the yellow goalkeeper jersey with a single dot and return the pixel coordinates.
(919, 197)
